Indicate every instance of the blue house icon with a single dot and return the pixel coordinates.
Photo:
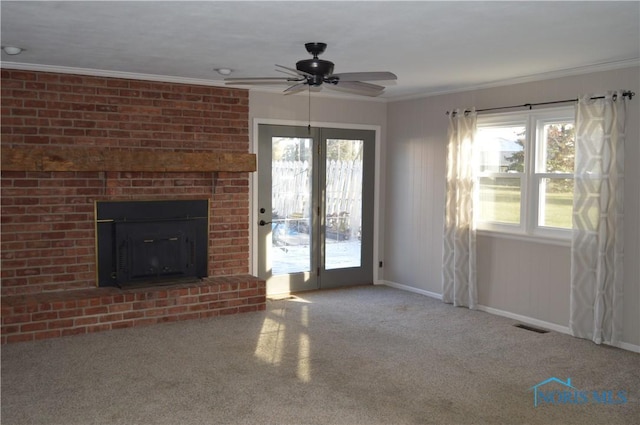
(536, 387)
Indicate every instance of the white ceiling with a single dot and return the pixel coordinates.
(432, 47)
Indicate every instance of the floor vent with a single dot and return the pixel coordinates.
(531, 328)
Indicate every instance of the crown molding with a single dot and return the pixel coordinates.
(609, 66)
(110, 74)
(569, 72)
(171, 79)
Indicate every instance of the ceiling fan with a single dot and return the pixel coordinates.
(316, 72)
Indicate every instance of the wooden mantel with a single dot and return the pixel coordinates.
(105, 159)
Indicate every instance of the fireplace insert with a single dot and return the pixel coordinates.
(144, 243)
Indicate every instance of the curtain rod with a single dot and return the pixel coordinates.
(626, 93)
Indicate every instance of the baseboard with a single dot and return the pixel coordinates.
(548, 325)
(497, 312)
(627, 346)
(525, 319)
(411, 289)
(520, 318)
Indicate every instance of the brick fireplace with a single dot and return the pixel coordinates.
(70, 141)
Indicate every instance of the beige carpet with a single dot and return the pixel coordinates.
(364, 355)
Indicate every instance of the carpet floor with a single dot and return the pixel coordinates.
(362, 355)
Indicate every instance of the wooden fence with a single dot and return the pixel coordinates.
(291, 192)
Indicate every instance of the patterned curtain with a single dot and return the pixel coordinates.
(597, 245)
(459, 253)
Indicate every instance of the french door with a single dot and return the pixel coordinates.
(315, 207)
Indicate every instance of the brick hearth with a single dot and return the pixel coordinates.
(62, 313)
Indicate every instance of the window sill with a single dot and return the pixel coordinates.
(547, 240)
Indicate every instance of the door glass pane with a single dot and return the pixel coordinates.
(291, 205)
(343, 203)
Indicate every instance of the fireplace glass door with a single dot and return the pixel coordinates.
(314, 218)
(146, 243)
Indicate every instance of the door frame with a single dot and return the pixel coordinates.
(253, 184)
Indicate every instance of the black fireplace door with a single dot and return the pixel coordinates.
(151, 242)
(155, 251)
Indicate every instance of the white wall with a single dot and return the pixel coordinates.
(517, 277)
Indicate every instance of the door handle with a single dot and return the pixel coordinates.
(263, 223)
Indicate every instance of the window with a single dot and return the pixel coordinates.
(524, 172)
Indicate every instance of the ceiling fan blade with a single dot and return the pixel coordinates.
(365, 76)
(257, 79)
(256, 83)
(296, 88)
(357, 87)
(291, 74)
(261, 80)
(306, 74)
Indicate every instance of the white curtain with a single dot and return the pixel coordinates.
(597, 245)
(459, 253)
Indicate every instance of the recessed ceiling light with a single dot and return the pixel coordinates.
(12, 50)
(223, 71)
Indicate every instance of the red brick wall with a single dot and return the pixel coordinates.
(47, 229)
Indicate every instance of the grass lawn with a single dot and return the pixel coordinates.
(502, 204)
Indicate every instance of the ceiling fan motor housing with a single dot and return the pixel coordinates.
(318, 69)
